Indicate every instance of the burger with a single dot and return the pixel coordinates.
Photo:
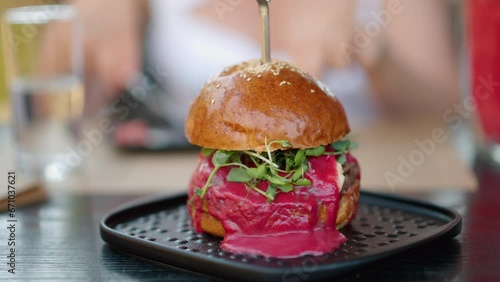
(275, 175)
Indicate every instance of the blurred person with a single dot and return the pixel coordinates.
(380, 57)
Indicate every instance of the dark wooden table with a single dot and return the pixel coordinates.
(59, 240)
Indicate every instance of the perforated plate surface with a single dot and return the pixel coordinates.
(160, 230)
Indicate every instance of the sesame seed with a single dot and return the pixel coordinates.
(312, 91)
(259, 76)
(212, 101)
(283, 83)
(248, 79)
(217, 86)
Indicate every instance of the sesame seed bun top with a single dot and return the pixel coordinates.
(251, 102)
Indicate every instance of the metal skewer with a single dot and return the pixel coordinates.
(264, 26)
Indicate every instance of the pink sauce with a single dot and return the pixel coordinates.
(288, 227)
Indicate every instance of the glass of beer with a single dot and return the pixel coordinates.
(43, 57)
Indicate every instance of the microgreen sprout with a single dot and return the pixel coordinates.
(341, 148)
(283, 169)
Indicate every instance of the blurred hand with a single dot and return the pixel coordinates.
(313, 32)
(112, 39)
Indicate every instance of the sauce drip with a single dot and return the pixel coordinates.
(301, 222)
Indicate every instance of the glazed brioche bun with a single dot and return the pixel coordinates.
(251, 102)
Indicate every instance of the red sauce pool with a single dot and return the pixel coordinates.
(288, 227)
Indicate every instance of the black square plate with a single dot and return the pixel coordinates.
(160, 230)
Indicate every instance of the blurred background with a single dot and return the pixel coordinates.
(128, 70)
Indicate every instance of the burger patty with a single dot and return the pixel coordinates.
(351, 174)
